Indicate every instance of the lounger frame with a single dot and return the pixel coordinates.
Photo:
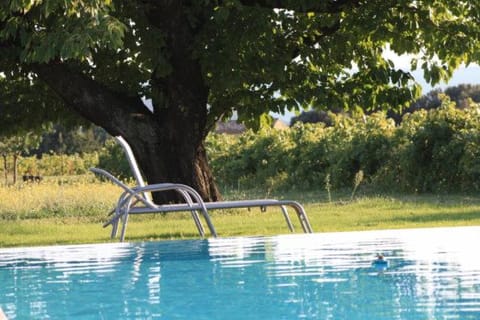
(136, 200)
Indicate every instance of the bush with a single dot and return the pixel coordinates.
(112, 158)
(430, 151)
(435, 150)
(58, 165)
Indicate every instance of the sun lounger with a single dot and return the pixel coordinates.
(136, 200)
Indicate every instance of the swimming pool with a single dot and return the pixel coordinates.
(431, 274)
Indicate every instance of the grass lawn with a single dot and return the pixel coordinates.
(74, 214)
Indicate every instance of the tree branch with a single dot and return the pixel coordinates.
(113, 111)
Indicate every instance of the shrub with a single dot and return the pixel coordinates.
(431, 155)
(112, 158)
(58, 165)
(430, 151)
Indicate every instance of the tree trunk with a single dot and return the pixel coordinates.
(179, 154)
(164, 159)
(15, 167)
(5, 168)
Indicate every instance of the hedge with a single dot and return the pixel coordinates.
(434, 151)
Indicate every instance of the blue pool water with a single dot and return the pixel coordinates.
(431, 274)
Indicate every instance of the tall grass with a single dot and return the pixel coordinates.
(57, 198)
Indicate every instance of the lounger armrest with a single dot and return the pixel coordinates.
(144, 199)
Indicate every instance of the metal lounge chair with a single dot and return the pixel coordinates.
(136, 200)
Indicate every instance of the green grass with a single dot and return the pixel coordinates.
(72, 213)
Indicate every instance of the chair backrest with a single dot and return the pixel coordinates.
(133, 164)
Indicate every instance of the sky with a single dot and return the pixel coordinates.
(463, 75)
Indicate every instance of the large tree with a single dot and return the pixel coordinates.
(199, 60)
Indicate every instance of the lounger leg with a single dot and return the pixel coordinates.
(114, 229)
(308, 227)
(302, 216)
(124, 227)
(209, 223)
(198, 223)
(287, 218)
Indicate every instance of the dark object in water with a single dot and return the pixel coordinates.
(380, 262)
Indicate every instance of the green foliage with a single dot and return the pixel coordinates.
(30, 153)
(19, 144)
(37, 32)
(54, 29)
(310, 156)
(304, 57)
(66, 140)
(58, 165)
(13, 147)
(312, 116)
(112, 158)
(302, 156)
(27, 106)
(430, 151)
(433, 149)
(358, 143)
(463, 95)
(327, 54)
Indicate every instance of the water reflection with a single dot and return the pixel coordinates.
(431, 274)
(30, 277)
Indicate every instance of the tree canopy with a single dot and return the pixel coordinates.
(198, 61)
